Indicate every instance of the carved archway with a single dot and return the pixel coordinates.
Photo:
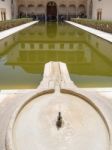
(62, 12)
(40, 11)
(82, 11)
(72, 11)
(22, 11)
(51, 11)
(31, 10)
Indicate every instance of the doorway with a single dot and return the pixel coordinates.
(3, 15)
(51, 11)
(99, 15)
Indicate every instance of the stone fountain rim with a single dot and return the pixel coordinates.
(87, 97)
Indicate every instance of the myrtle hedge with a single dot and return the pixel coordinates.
(105, 26)
(4, 25)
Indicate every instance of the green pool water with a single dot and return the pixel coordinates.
(24, 54)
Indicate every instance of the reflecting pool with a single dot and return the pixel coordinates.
(24, 54)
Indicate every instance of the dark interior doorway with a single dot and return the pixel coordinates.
(99, 15)
(51, 11)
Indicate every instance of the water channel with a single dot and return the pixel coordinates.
(24, 54)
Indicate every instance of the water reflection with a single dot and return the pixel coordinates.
(23, 56)
(51, 31)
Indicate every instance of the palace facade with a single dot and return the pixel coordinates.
(52, 9)
(56, 9)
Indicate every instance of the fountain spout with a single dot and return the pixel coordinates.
(59, 121)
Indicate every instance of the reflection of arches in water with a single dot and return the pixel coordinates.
(51, 30)
(51, 11)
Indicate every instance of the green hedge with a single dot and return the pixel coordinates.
(13, 23)
(105, 26)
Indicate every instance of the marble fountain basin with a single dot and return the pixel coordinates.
(85, 121)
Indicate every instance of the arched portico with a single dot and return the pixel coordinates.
(72, 11)
(22, 11)
(31, 10)
(54, 10)
(82, 11)
(62, 11)
(40, 12)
